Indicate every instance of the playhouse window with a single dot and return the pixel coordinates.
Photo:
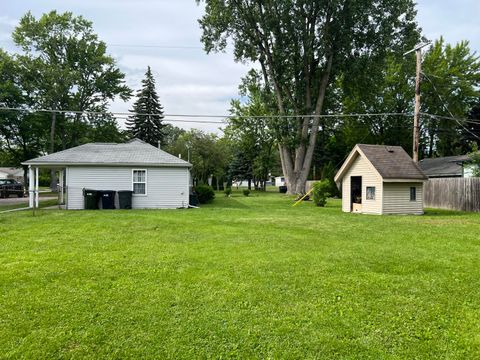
(413, 193)
(370, 192)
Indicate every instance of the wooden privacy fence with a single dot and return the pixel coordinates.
(452, 193)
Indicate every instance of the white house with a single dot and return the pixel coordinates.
(157, 178)
(448, 167)
(11, 173)
(379, 179)
(280, 181)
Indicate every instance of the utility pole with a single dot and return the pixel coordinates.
(416, 114)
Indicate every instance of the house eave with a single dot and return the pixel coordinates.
(65, 164)
(404, 180)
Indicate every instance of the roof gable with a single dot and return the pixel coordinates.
(134, 152)
(390, 162)
(349, 161)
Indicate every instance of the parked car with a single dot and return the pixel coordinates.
(11, 187)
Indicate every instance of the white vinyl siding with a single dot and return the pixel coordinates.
(168, 187)
(370, 177)
(396, 198)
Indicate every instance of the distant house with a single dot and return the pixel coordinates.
(11, 173)
(157, 179)
(280, 181)
(446, 167)
(379, 179)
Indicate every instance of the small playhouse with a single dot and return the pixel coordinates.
(380, 179)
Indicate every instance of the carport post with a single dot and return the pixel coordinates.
(30, 186)
(61, 186)
(36, 187)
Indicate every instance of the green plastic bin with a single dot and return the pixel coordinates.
(125, 199)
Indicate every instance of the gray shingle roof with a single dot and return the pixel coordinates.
(392, 162)
(444, 166)
(134, 152)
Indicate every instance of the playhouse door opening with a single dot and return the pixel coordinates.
(356, 193)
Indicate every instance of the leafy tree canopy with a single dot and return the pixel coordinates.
(301, 47)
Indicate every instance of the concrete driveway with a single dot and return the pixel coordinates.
(15, 200)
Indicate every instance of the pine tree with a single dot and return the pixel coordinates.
(148, 128)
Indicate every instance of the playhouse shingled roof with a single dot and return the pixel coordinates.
(133, 153)
(391, 162)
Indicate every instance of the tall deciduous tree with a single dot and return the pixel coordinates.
(471, 131)
(148, 127)
(450, 87)
(172, 133)
(253, 134)
(21, 132)
(65, 67)
(301, 46)
(208, 154)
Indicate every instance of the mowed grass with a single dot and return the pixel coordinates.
(240, 278)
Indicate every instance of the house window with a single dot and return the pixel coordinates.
(139, 182)
(370, 192)
(413, 193)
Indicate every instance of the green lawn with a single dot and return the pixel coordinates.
(243, 278)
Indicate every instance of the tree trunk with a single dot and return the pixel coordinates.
(297, 172)
(430, 145)
(53, 174)
(76, 122)
(25, 176)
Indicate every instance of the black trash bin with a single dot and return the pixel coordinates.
(193, 199)
(90, 199)
(125, 199)
(108, 199)
(282, 189)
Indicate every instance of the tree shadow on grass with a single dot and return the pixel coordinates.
(445, 212)
(228, 203)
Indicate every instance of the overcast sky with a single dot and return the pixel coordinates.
(165, 35)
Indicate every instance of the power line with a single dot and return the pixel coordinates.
(471, 121)
(180, 120)
(447, 109)
(156, 46)
(145, 46)
(126, 115)
(123, 116)
(86, 112)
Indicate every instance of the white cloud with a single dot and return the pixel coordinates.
(455, 21)
(8, 21)
(195, 84)
(7, 24)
